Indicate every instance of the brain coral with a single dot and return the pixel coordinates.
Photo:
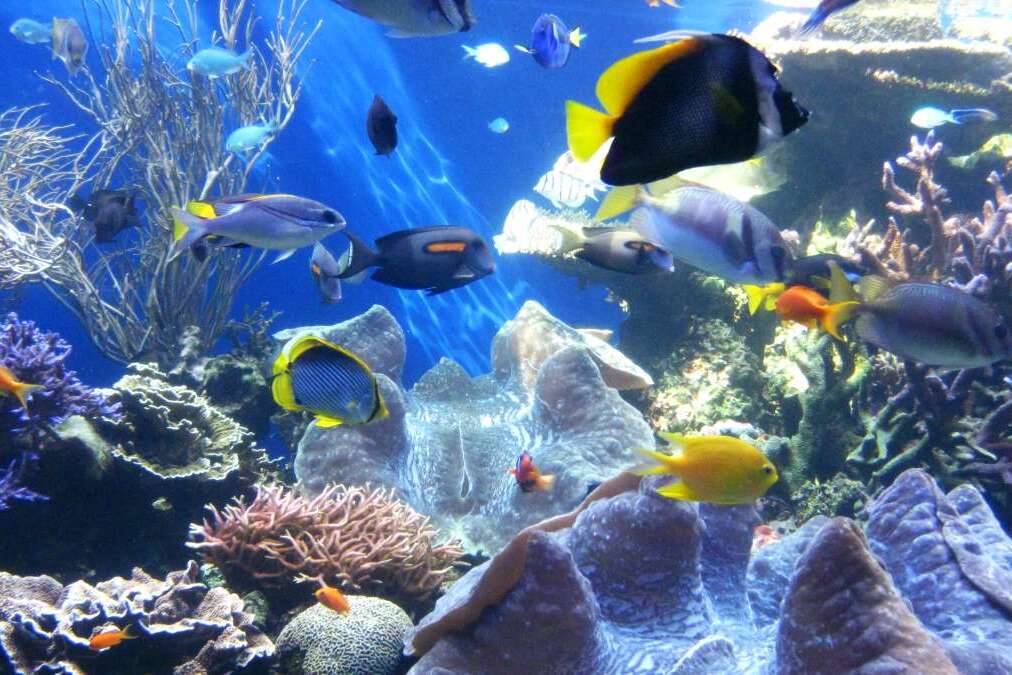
(366, 640)
(448, 442)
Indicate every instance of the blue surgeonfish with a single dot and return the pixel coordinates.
(715, 233)
(279, 222)
(415, 18)
(326, 271)
(328, 381)
(703, 100)
(552, 42)
(217, 62)
(32, 32)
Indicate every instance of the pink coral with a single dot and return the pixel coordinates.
(357, 538)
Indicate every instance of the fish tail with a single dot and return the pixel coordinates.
(661, 463)
(544, 482)
(362, 257)
(128, 634)
(469, 52)
(756, 297)
(587, 129)
(576, 37)
(245, 57)
(972, 115)
(187, 231)
(837, 315)
(21, 389)
(815, 19)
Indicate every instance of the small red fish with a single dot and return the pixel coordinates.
(109, 638)
(764, 535)
(333, 599)
(529, 477)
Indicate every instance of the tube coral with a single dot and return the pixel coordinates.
(357, 538)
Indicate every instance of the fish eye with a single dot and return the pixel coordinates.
(1001, 331)
(329, 217)
(768, 470)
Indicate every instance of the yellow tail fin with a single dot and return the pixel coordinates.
(837, 315)
(662, 460)
(587, 129)
(759, 296)
(179, 228)
(576, 37)
(21, 389)
(618, 201)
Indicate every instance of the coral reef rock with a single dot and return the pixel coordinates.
(366, 640)
(181, 626)
(632, 582)
(448, 442)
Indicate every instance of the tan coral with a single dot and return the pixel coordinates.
(357, 538)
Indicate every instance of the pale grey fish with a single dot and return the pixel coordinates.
(415, 18)
(32, 32)
(248, 137)
(326, 270)
(217, 62)
(624, 251)
(69, 44)
(563, 189)
(278, 222)
(715, 233)
(932, 324)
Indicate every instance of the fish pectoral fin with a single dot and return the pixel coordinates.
(679, 491)
(523, 49)
(464, 273)
(284, 255)
(327, 422)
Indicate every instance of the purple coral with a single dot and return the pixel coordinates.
(39, 357)
(11, 487)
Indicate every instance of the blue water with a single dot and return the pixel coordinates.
(448, 167)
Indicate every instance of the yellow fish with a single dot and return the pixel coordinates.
(715, 469)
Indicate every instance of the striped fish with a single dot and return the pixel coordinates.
(328, 381)
(563, 189)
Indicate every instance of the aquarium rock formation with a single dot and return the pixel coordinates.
(365, 640)
(180, 624)
(631, 581)
(449, 441)
(354, 538)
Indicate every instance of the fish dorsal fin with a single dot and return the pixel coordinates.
(840, 288)
(618, 85)
(676, 442)
(388, 240)
(872, 287)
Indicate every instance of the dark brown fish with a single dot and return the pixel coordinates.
(381, 126)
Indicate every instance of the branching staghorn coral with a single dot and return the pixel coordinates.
(357, 538)
(163, 128)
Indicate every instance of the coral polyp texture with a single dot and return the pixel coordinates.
(632, 582)
(449, 441)
(180, 625)
(35, 356)
(354, 538)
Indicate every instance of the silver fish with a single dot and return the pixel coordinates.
(326, 270)
(69, 44)
(624, 251)
(415, 18)
(714, 233)
(32, 32)
(280, 222)
(564, 189)
(932, 324)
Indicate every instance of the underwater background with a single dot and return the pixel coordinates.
(586, 461)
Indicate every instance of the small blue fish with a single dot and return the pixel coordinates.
(551, 41)
(216, 62)
(929, 118)
(249, 137)
(32, 32)
(822, 12)
(499, 125)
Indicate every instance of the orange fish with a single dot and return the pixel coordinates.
(333, 599)
(810, 308)
(107, 639)
(764, 535)
(9, 386)
(529, 477)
